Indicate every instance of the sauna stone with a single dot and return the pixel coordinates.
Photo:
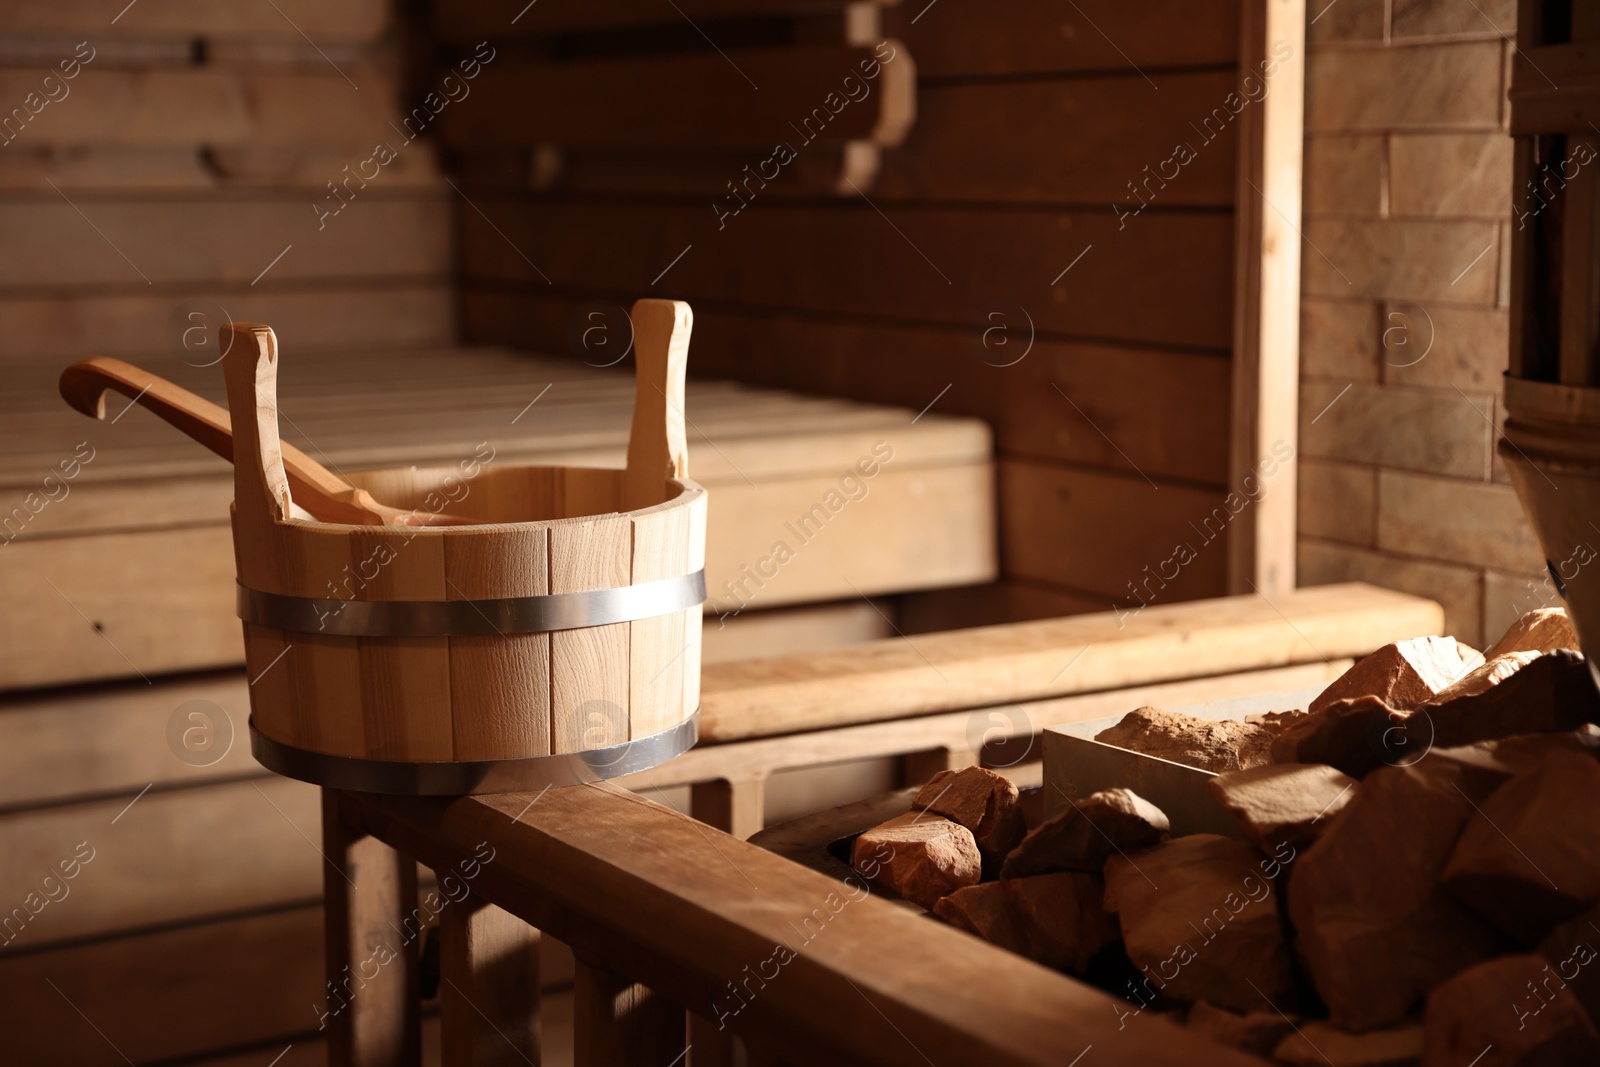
(1554, 692)
(1529, 858)
(1199, 919)
(1276, 722)
(1509, 1004)
(1321, 1043)
(1289, 803)
(1485, 677)
(1211, 744)
(979, 799)
(1540, 630)
(1572, 952)
(1403, 674)
(1520, 693)
(918, 856)
(1374, 928)
(1054, 919)
(1257, 1033)
(1356, 736)
(1082, 835)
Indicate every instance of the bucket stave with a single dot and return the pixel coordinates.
(557, 639)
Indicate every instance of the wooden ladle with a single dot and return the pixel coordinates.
(325, 495)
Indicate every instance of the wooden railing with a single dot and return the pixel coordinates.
(685, 935)
(665, 917)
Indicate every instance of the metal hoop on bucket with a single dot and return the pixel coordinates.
(472, 618)
(458, 778)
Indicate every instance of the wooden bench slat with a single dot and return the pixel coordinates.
(1029, 661)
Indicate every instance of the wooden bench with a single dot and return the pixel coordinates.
(128, 565)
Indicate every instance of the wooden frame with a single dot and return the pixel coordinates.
(1266, 347)
(703, 923)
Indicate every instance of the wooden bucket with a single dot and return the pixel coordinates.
(555, 641)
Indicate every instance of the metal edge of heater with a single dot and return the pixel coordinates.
(400, 778)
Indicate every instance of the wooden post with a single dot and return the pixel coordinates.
(917, 767)
(734, 807)
(1266, 326)
(369, 894)
(712, 1047)
(618, 1023)
(737, 808)
(488, 987)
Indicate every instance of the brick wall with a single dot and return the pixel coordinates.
(1407, 223)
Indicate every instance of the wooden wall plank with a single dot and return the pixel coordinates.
(963, 37)
(1166, 412)
(470, 20)
(942, 265)
(112, 739)
(75, 325)
(796, 95)
(170, 993)
(981, 141)
(137, 587)
(191, 167)
(972, 141)
(51, 244)
(1114, 534)
(150, 107)
(248, 845)
(350, 20)
(702, 172)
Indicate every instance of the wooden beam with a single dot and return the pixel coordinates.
(370, 900)
(620, 1023)
(990, 666)
(663, 900)
(1266, 390)
(488, 987)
